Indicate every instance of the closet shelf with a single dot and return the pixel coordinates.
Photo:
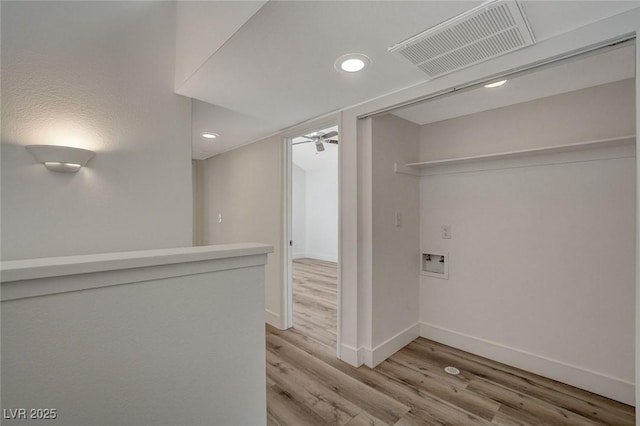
(412, 168)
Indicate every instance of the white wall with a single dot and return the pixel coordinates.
(395, 246)
(178, 342)
(322, 212)
(299, 212)
(637, 259)
(354, 211)
(97, 75)
(198, 198)
(315, 183)
(246, 186)
(555, 120)
(542, 257)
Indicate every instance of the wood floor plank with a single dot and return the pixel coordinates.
(527, 406)
(588, 405)
(286, 411)
(365, 419)
(270, 381)
(322, 400)
(440, 415)
(375, 403)
(413, 418)
(315, 298)
(507, 416)
(418, 400)
(271, 421)
(432, 366)
(308, 385)
(563, 388)
(470, 402)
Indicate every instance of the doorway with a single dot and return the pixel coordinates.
(522, 183)
(312, 260)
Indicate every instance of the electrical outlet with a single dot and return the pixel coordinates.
(446, 232)
(219, 217)
(398, 219)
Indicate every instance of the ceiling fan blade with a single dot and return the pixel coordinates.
(298, 143)
(319, 146)
(329, 135)
(332, 141)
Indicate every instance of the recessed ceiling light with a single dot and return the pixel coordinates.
(496, 84)
(352, 62)
(209, 135)
(352, 65)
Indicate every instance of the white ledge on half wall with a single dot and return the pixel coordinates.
(26, 278)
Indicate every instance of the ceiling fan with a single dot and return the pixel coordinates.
(318, 138)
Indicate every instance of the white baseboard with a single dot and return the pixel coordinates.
(299, 255)
(384, 350)
(273, 319)
(351, 355)
(602, 384)
(320, 256)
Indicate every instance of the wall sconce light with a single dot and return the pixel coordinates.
(61, 158)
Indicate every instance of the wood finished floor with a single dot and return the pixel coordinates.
(314, 299)
(308, 385)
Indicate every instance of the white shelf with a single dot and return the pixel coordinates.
(412, 168)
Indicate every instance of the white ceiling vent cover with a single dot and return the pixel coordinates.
(484, 32)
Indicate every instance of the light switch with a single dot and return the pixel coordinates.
(219, 217)
(398, 219)
(446, 232)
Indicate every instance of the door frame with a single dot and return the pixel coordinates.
(287, 238)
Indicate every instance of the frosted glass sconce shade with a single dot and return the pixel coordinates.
(61, 158)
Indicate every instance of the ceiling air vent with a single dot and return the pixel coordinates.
(487, 31)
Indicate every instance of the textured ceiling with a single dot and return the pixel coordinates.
(277, 69)
(588, 70)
